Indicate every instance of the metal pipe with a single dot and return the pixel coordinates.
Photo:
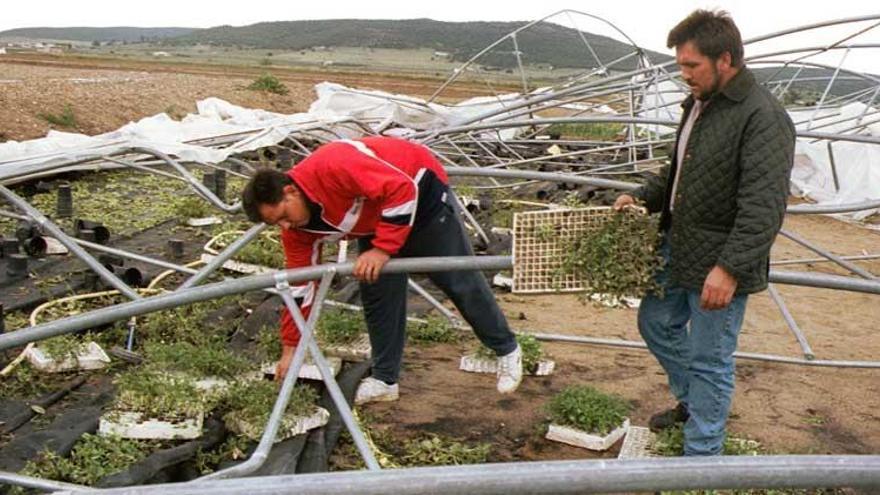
(631, 344)
(135, 256)
(559, 477)
(418, 289)
(833, 257)
(792, 324)
(45, 485)
(182, 297)
(224, 255)
(360, 440)
(258, 457)
(49, 227)
(833, 167)
(545, 176)
(824, 260)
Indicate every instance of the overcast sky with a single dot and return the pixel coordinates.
(646, 22)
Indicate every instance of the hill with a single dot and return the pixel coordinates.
(89, 34)
(543, 43)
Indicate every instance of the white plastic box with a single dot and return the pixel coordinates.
(93, 358)
(203, 222)
(290, 425)
(357, 351)
(474, 364)
(309, 370)
(637, 444)
(134, 425)
(580, 438)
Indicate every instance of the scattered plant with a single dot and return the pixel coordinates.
(268, 82)
(433, 450)
(64, 119)
(252, 401)
(210, 359)
(339, 327)
(157, 395)
(435, 330)
(588, 409)
(192, 207)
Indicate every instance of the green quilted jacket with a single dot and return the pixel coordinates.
(733, 187)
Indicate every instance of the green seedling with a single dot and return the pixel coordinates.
(588, 409)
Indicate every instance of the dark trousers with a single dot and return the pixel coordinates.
(385, 300)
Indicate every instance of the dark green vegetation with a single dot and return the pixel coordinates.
(588, 409)
(436, 329)
(65, 118)
(268, 82)
(433, 450)
(619, 258)
(338, 326)
(252, 401)
(93, 457)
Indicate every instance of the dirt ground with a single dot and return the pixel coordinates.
(107, 94)
(788, 408)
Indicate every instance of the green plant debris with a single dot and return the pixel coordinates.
(264, 250)
(93, 457)
(234, 448)
(588, 409)
(64, 119)
(597, 131)
(269, 83)
(211, 359)
(63, 347)
(158, 395)
(437, 329)
(193, 207)
(339, 327)
(26, 383)
(268, 344)
(433, 450)
(619, 259)
(252, 401)
(532, 352)
(146, 199)
(189, 323)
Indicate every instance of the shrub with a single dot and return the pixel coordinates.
(588, 409)
(270, 83)
(436, 329)
(157, 395)
(64, 119)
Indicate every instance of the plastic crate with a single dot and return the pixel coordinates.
(580, 438)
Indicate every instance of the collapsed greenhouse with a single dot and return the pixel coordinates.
(163, 343)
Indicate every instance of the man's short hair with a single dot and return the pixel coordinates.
(266, 187)
(713, 33)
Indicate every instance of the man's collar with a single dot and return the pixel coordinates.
(735, 90)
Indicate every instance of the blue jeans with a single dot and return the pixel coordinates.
(695, 348)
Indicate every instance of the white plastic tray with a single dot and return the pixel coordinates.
(203, 222)
(357, 351)
(238, 266)
(133, 425)
(308, 371)
(474, 364)
(94, 358)
(637, 444)
(290, 425)
(579, 438)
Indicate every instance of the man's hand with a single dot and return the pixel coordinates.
(623, 201)
(718, 289)
(368, 264)
(284, 363)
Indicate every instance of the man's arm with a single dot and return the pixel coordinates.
(300, 250)
(767, 156)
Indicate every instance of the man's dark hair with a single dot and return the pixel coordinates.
(713, 33)
(266, 187)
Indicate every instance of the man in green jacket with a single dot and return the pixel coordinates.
(722, 199)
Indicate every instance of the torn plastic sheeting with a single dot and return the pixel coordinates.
(858, 172)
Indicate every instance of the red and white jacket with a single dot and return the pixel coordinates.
(364, 187)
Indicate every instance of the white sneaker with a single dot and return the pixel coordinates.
(373, 390)
(510, 371)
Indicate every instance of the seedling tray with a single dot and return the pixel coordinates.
(238, 266)
(580, 438)
(309, 370)
(93, 358)
(203, 222)
(475, 364)
(134, 425)
(637, 444)
(357, 351)
(290, 425)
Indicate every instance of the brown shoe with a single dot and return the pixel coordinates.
(669, 418)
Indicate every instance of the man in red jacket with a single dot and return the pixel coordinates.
(392, 196)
